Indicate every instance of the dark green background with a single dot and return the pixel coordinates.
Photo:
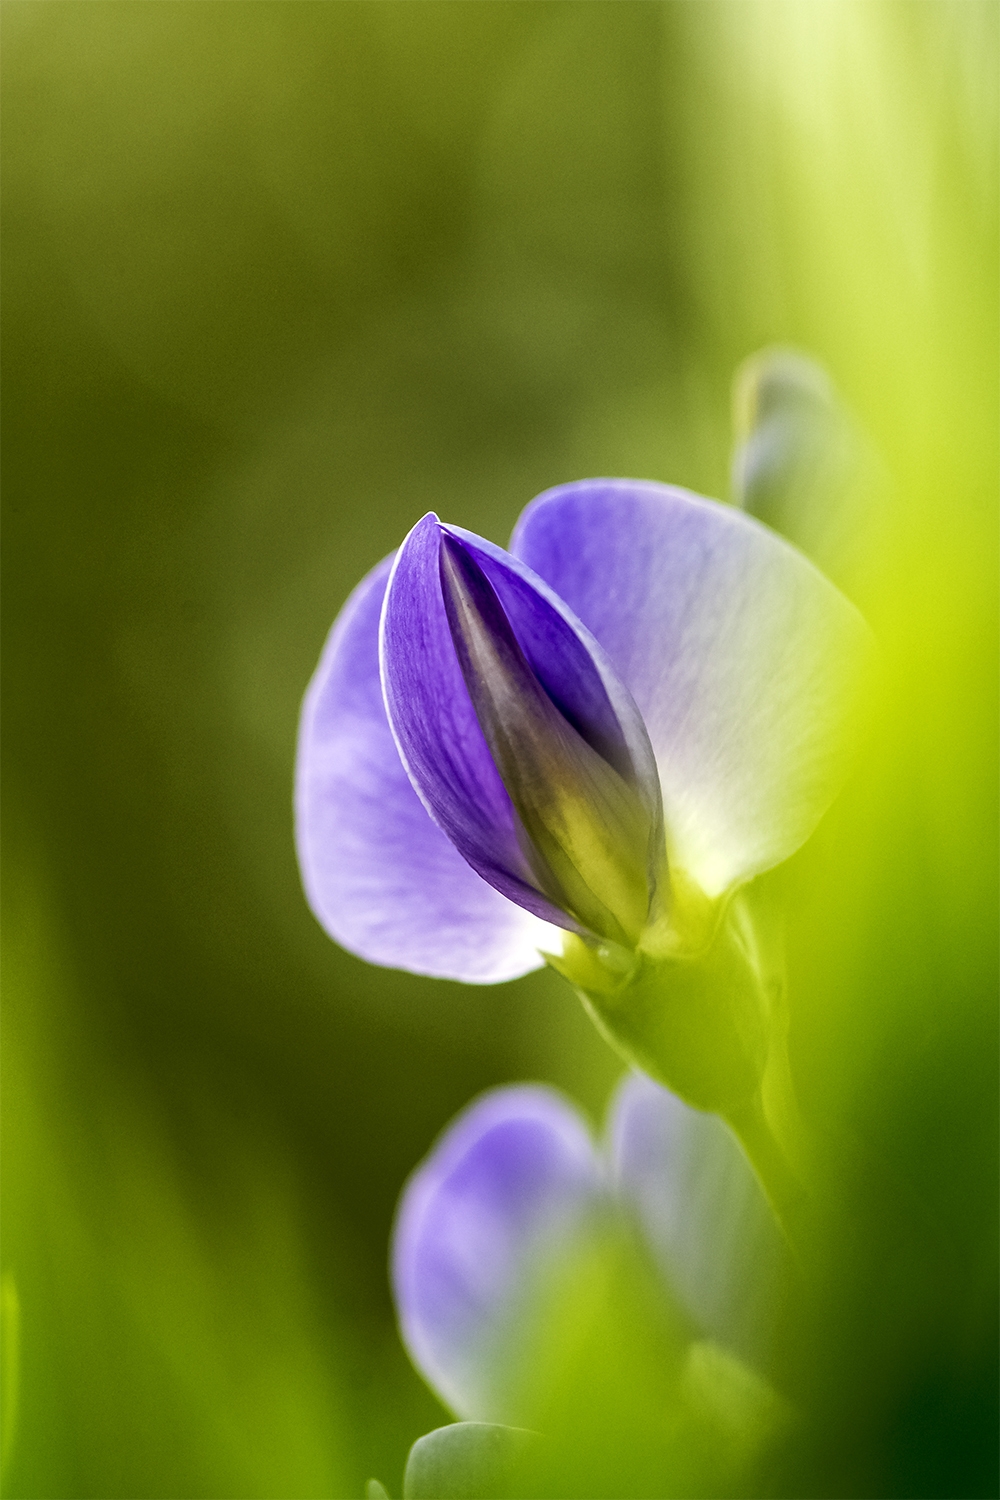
(279, 277)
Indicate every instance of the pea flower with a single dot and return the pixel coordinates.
(581, 750)
(489, 1223)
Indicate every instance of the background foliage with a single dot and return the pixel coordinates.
(278, 279)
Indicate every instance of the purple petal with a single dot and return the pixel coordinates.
(742, 658)
(587, 832)
(436, 729)
(571, 666)
(440, 738)
(506, 1188)
(702, 1212)
(382, 879)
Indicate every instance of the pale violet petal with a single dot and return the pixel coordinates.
(702, 1213)
(502, 1196)
(744, 661)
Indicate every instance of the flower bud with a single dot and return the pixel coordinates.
(585, 827)
(798, 458)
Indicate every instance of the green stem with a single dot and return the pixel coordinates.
(785, 1189)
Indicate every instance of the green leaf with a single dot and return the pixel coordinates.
(465, 1461)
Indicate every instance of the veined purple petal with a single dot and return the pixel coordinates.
(570, 664)
(506, 1189)
(702, 1212)
(742, 658)
(586, 830)
(436, 729)
(550, 732)
(381, 877)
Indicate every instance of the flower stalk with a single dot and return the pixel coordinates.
(708, 1020)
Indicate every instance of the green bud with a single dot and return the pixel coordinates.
(798, 460)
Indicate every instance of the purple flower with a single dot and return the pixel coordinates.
(507, 1190)
(606, 730)
(490, 1220)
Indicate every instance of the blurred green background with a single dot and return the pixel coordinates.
(279, 277)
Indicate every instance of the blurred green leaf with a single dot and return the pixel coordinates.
(466, 1461)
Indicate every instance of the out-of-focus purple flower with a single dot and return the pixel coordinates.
(511, 1191)
(606, 729)
(506, 1190)
(702, 1214)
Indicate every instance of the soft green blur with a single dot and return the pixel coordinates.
(278, 279)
